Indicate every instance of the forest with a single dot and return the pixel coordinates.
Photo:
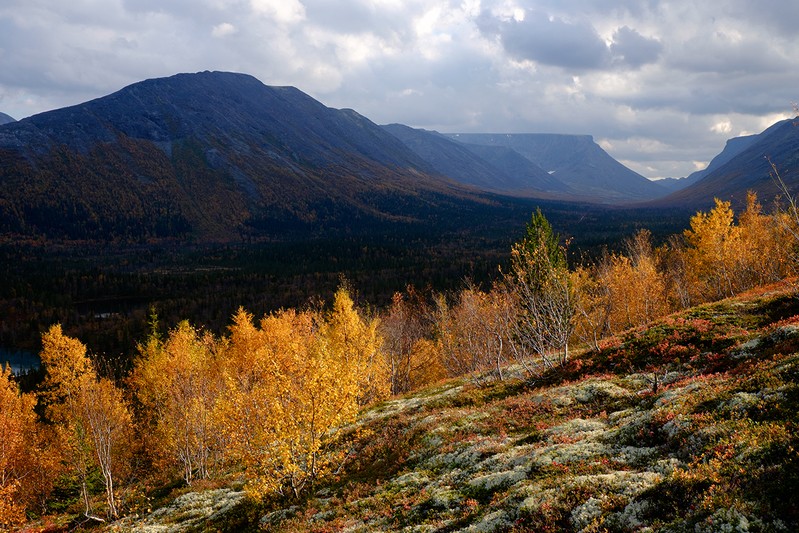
(269, 399)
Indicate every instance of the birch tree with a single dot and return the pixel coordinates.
(540, 280)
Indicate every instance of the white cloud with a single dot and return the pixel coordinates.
(723, 127)
(283, 11)
(223, 30)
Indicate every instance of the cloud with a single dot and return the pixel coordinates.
(549, 40)
(282, 11)
(633, 49)
(223, 30)
(657, 81)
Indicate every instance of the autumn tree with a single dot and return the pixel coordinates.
(90, 414)
(291, 385)
(767, 250)
(407, 328)
(177, 383)
(355, 340)
(594, 306)
(540, 281)
(723, 259)
(24, 456)
(475, 332)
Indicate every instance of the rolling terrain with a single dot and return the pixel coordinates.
(201, 192)
(688, 424)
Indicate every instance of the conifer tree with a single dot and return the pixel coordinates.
(540, 280)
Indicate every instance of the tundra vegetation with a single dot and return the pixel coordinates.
(606, 396)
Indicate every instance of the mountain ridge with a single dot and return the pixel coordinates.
(744, 167)
(470, 165)
(577, 161)
(209, 155)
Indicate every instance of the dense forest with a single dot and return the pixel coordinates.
(102, 292)
(265, 399)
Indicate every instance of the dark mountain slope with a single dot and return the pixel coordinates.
(496, 168)
(5, 119)
(748, 169)
(734, 146)
(212, 156)
(577, 161)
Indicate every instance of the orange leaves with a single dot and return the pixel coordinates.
(271, 396)
(90, 414)
(292, 383)
(723, 259)
(475, 332)
(628, 291)
(177, 382)
(19, 452)
(355, 342)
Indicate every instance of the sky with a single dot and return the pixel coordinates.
(661, 85)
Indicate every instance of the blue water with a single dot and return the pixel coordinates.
(19, 361)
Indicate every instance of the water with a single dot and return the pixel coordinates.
(19, 361)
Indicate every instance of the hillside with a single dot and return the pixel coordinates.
(5, 119)
(495, 168)
(209, 156)
(578, 162)
(744, 165)
(689, 424)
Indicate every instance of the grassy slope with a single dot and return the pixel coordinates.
(590, 447)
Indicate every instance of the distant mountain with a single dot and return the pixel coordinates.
(743, 166)
(676, 184)
(5, 119)
(493, 168)
(213, 156)
(578, 162)
(734, 146)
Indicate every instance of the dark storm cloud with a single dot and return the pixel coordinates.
(633, 49)
(550, 40)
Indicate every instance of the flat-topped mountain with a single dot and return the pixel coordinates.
(576, 161)
(494, 168)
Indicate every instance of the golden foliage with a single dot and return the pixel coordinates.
(356, 342)
(407, 328)
(723, 259)
(177, 384)
(91, 417)
(475, 332)
(291, 384)
(19, 453)
(621, 292)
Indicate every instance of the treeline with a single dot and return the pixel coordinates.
(270, 398)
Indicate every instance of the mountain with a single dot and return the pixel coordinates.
(577, 161)
(733, 147)
(5, 119)
(743, 166)
(675, 184)
(494, 168)
(211, 155)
